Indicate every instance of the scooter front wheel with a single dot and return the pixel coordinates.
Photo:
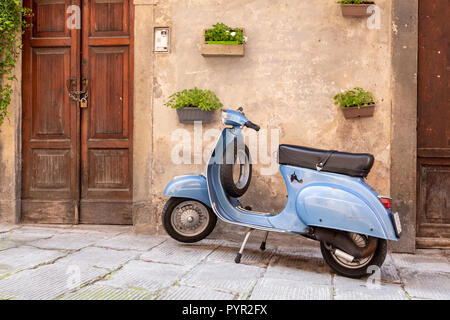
(188, 220)
(358, 268)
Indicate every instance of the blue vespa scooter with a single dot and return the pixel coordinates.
(328, 200)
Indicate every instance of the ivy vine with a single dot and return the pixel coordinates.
(12, 25)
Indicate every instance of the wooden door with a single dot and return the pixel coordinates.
(77, 163)
(106, 127)
(433, 141)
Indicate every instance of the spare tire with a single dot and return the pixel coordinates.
(236, 176)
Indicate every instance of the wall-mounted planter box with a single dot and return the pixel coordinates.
(192, 114)
(355, 112)
(217, 50)
(222, 48)
(356, 10)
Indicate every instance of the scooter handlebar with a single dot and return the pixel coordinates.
(252, 125)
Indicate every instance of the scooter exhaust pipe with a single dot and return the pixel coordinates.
(341, 241)
(344, 255)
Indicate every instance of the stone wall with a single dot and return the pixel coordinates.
(298, 56)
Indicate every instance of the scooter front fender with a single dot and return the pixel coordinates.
(336, 207)
(190, 186)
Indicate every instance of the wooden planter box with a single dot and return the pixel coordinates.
(217, 50)
(355, 10)
(192, 114)
(355, 112)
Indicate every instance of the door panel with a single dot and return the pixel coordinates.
(50, 171)
(106, 142)
(77, 163)
(433, 136)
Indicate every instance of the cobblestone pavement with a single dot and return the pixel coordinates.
(41, 262)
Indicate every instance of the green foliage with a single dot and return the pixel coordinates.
(203, 99)
(354, 98)
(355, 2)
(222, 32)
(11, 25)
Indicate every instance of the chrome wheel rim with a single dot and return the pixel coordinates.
(360, 241)
(190, 218)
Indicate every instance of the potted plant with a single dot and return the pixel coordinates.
(356, 103)
(194, 105)
(355, 8)
(222, 40)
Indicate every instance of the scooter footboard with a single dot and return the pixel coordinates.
(190, 186)
(335, 207)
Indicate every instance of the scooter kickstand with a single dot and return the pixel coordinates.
(263, 244)
(239, 255)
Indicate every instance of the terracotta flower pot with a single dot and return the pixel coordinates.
(192, 114)
(355, 112)
(356, 10)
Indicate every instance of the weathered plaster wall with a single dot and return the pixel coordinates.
(10, 141)
(299, 54)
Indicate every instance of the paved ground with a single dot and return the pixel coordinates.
(112, 263)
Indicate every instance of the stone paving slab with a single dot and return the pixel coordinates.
(355, 289)
(5, 244)
(229, 277)
(286, 289)
(426, 285)
(53, 280)
(252, 254)
(131, 242)
(174, 252)
(189, 293)
(306, 259)
(21, 237)
(46, 282)
(109, 259)
(306, 277)
(17, 259)
(145, 276)
(7, 227)
(98, 292)
(69, 241)
(428, 262)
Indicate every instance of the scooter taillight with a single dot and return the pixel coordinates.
(387, 202)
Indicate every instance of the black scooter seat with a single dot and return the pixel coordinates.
(351, 164)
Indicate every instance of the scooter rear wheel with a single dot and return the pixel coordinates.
(355, 269)
(188, 220)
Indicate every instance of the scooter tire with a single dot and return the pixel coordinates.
(377, 260)
(226, 177)
(167, 213)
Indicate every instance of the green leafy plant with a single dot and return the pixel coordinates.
(225, 34)
(203, 99)
(356, 97)
(355, 2)
(11, 28)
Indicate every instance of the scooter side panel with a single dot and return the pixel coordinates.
(344, 205)
(192, 187)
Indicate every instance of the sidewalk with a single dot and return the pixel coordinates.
(83, 262)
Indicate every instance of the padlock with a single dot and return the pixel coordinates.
(83, 103)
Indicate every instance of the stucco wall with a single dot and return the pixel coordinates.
(298, 56)
(10, 142)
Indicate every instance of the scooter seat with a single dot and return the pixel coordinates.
(351, 164)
